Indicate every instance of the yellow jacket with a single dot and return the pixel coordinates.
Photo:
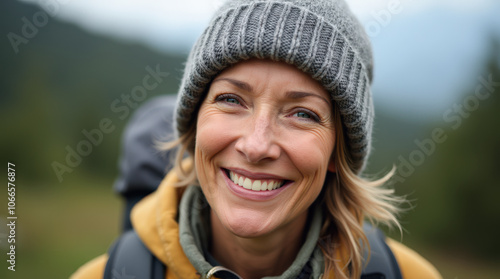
(154, 219)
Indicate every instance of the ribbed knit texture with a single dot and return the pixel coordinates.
(321, 38)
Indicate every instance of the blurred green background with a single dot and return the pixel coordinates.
(64, 80)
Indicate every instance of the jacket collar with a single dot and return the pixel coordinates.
(155, 220)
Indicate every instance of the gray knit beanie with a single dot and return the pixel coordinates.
(320, 37)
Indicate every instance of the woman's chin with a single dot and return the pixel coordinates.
(247, 224)
(247, 229)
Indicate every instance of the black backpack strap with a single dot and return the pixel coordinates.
(129, 258)
(382, 264)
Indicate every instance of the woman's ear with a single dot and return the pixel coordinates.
(332, 167)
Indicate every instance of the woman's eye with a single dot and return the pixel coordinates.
(307, 115)
(302, 114)
(228, 98)
(232, 100)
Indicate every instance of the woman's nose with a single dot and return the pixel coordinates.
(258, 142)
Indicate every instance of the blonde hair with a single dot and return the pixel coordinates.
(347, 199)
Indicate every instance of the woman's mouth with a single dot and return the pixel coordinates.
(254, 184)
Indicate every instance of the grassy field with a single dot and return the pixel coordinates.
(60, 228)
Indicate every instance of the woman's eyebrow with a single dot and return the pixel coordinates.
(300, 94)
(240, 84)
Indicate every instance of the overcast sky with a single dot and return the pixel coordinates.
(173, 23)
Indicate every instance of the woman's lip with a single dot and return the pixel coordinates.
(255, 175)
(250, 194)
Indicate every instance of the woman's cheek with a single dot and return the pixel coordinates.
(214, 132)
(311, 152)
(311, 155)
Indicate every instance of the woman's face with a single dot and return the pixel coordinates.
(264, 140)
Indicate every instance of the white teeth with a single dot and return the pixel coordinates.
(247, 184)
(255, 185)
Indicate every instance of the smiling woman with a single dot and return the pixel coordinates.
(255, 134)
(274, 116)
(263, 142)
